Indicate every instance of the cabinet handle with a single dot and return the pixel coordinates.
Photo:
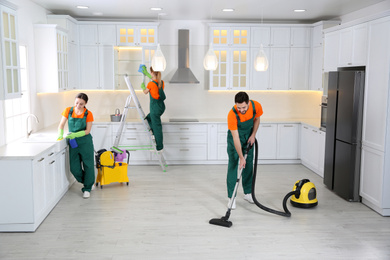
(133, 128)
(50, 154)
(63, 153)
(184, 128)
(184, 138)
(305, 127)
(52, 162)
(288, 126)
(266, 126)
(101, 126)
(184, 150)
(40, 160)
(315, 131)
(131, 138)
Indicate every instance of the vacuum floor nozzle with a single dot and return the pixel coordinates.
(221, 222)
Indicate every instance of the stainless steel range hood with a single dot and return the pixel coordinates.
(184, 74)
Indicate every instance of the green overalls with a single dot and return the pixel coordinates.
(244, 132)
(81, 158)
(157, 108)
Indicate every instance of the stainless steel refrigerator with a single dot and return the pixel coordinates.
(343, 132)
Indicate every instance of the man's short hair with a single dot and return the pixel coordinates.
(241, 97)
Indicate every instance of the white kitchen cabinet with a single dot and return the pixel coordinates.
(67, 22)
(51, 63)
(312, 148)
(288, 140)
(222, 142)
(280, 36)
(232, 72)
(185, 142)
(73, 66)
(300, 36)
(260, 35)
(259, 80)
(102, 136)
(316, 68)
(141, 34)
(40, 181)
(212, 142)
(233, 36)
(97, 34)
(353, 46)
(375, 174)
(279, 68)
(97, 66)
(331, 51)
(9, 58)
(267, 141)
(299, 69)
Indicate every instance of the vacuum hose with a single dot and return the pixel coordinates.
(286, 212)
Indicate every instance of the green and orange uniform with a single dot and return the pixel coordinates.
(81, 158)
(157, 108)
(244, 124)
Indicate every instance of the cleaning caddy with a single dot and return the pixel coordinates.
(111, 168)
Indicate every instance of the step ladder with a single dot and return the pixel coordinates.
(152, 147)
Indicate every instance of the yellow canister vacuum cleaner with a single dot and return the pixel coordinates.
(303, 195)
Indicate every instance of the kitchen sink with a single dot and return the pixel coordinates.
(41, 138)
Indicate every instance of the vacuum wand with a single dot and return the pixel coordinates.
(224, 221)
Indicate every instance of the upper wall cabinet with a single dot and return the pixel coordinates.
(230, 36)
(10, 70)
(67, 22)
(331, 51)
(285, 36)
(137, 35)
(97, 34)
(51, 63)
(353, 46)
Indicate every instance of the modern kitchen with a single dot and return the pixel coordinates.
(324, 92)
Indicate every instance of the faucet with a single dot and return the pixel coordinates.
(36, 120)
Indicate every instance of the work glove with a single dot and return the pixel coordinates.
(143, 86)
(74, 135)
(60, 134)
(143, 70)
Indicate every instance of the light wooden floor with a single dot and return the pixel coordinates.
(165, 216)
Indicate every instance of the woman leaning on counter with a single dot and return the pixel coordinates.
(81, 152)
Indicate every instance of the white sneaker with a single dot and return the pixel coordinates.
(234, 204)
(86, 194)
(93, 187)
(248, 197)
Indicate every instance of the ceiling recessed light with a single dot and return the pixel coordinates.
(97, 13)
(82, 7)
(228, 10)
(156, 8)
(300, 10)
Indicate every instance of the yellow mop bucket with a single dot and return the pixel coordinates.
(110, 171)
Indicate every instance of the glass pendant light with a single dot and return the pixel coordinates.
(158, 61)
(210, 61)
(261, 60)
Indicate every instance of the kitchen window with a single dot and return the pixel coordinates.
(16, 109)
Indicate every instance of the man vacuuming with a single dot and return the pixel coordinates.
(243, 123)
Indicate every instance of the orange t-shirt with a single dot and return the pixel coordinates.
(232, 119)
(89, 116)
(153, 88)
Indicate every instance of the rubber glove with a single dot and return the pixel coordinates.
(60, 134)
(145, 72)
(143, 86)
(74, 135)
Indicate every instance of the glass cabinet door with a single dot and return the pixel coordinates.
(11, 54)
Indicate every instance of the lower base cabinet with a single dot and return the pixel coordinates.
(313, 149)
(31, 188)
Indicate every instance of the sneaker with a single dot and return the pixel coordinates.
(248, 197)
(93, 187)
(234, 204)
(86, 194)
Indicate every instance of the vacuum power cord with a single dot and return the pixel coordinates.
(286, 212)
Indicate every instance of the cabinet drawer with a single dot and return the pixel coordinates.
(185, 128)
(139, 155)
(183, 138)
(185, 152)
(134, 139)
(129, 128)
(222, 152)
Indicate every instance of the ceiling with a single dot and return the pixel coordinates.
(245, 10)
